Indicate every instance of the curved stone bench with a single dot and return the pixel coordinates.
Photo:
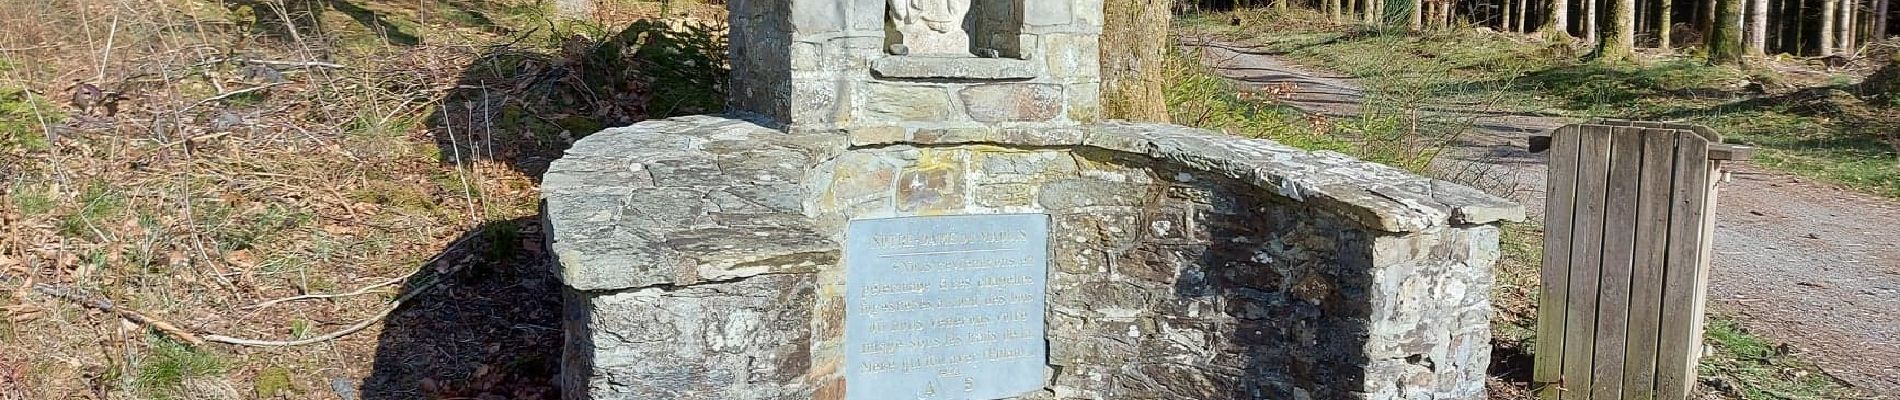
(701, 258)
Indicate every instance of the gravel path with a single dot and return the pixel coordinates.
(1806, 265)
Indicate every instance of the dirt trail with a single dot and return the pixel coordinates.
(1807, 265)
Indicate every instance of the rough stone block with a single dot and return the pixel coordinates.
(969, 134)
(818, 17)
(1023, 102)
(865, 15)
(1073, 57)
(817, 102)
(1088, 13)
(858, 178)
(740, 340)
(1003, 195)
(928, 67)
(933, 186)
(1047, 12)
(1085, 102)
(894, 103)
(807, 56)
(878, 135)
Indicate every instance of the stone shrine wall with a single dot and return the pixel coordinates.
(702, 259)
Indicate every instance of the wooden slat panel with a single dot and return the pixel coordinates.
(1619, 246)
(1679, 345)
(1704, 131)
(1586, 252)
(1652, 229)
(1731, 152)
(1547, 374)
(1701, 296)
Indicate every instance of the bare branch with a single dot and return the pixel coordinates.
(227, 95)
(85, 299)
(357, 292)
(353, 328)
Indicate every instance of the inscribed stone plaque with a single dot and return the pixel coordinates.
(945, 307)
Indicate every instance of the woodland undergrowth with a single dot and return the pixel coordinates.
(263, 177)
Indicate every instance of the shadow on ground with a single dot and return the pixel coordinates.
(525, 107)
(485, 320)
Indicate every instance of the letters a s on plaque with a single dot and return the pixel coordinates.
(945, 307)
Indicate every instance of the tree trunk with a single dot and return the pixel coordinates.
(1134, 47)
(1880, 19)
(1415, 14)
(1589, 20)
(1757, 27)
(1332, 10)
(1709, 19)
(1592, 26)
(1725, 45)
(1662, 24)
(1847, 28)
(1451, 13)
(1378, 12)
(1556, 19)
(1782, 30)
(1800, 42)
(1828, 17)
(1523, 16)
(1642, 16)
(1619, 31)
(1504, 19)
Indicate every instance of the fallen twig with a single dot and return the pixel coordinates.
(358, 292)
(366, 289)
(298, 64)
(43, 46)
(167, 328)
(358, 326)
(227, 95)
(88, 300)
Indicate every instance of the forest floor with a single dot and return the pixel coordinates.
(1811, 266)
(344, 189)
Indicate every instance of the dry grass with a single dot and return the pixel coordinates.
(275, 148)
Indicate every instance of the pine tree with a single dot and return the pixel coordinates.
(1880, 19)
(1827, 27)
(1134, 47)
(1591, 33)
(1662, 24)
(1415, 14)
(1846, 27)
(1757, 27)
(1619, 31)
(1725, 44)
(1523, 16)
(1557, 19)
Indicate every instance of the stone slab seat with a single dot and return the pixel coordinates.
(684, 200)
(637, 205)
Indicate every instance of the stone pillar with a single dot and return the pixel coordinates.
(826, 66)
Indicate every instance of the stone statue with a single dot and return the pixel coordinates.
(931, 27)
